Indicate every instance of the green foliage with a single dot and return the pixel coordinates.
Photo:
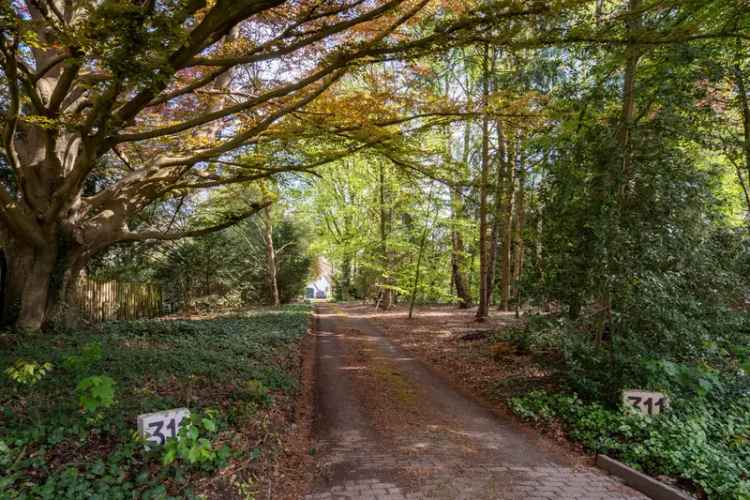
(257, 392)
(229, 269)
(81, 363)
(27, 373)
(702, 440)
(155, 365)
(193, 444)
(96, 392)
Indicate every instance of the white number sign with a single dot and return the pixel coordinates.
(646, 402)
(155, 428)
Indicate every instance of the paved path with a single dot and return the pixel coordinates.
(387, 428)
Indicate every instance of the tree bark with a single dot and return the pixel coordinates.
(483, 309)
(458, 278)
(422, 243)
(457, 273)
(386, 293)
(458, 257)
(744, 106)
(507, 236)
(271, 270)
(41, 281)
(632, 56)
(518, 241)
(500, 192)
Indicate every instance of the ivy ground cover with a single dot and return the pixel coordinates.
(69, 403)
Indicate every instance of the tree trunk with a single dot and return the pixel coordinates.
(518, 242)
(386, 292)
(482, 310)
(346, 278)
(507, 242)
(458, 279)
(422, 243)
(40, 282)
(35, 290)
(632, 55)
(19, 259)
(500, 191)
(744, 106)
(458, 257)
(270, 257)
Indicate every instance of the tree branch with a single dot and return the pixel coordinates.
(255, 207)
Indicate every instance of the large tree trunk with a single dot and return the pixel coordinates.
(41, 281)
(518, 242)
(458, 257)
(483, 309)
(507, 236)
(35, 293)
(19, 260)
(500, 192)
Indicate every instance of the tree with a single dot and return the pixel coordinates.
(271, 268)
(112, 106)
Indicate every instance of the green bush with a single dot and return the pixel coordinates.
(703, 440)
(96, 392)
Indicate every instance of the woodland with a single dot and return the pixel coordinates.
(581, 165)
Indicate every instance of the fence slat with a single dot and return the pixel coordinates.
(108, 300)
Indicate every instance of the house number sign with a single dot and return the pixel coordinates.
(157, 427)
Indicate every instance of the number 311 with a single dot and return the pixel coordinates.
(159, 425)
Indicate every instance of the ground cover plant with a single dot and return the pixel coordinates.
(702, 440)
(70, 400)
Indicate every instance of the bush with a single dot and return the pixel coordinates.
(701, 440)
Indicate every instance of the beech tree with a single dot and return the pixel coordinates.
(111, 106)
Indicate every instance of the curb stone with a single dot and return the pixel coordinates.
(640, 481)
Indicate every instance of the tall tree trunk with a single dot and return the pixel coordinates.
(458, 257)
(518, 241)
(457, 267)
(507, 236)
(415, 286)
(19, 260)
(386, 293)
(35, 294)
(742, 101)
(271, 269)
(632, 55)
(346, 277)
(41, 281)
(500, 189)
(482, 310)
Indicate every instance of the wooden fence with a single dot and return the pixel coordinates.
(108, 300)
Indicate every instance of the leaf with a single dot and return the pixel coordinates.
(169, 456)
(209, 425)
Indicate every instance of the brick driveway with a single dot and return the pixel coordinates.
(388, 428)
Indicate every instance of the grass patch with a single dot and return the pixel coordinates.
(234, 373)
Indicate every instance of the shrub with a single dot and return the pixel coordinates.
(703, 440)
(27, 373)
(96, 392)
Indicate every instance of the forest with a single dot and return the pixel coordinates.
(570, 178)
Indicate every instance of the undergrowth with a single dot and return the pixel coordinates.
(702, 440)
(71, 433)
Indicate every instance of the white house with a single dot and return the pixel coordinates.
(321, 286)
